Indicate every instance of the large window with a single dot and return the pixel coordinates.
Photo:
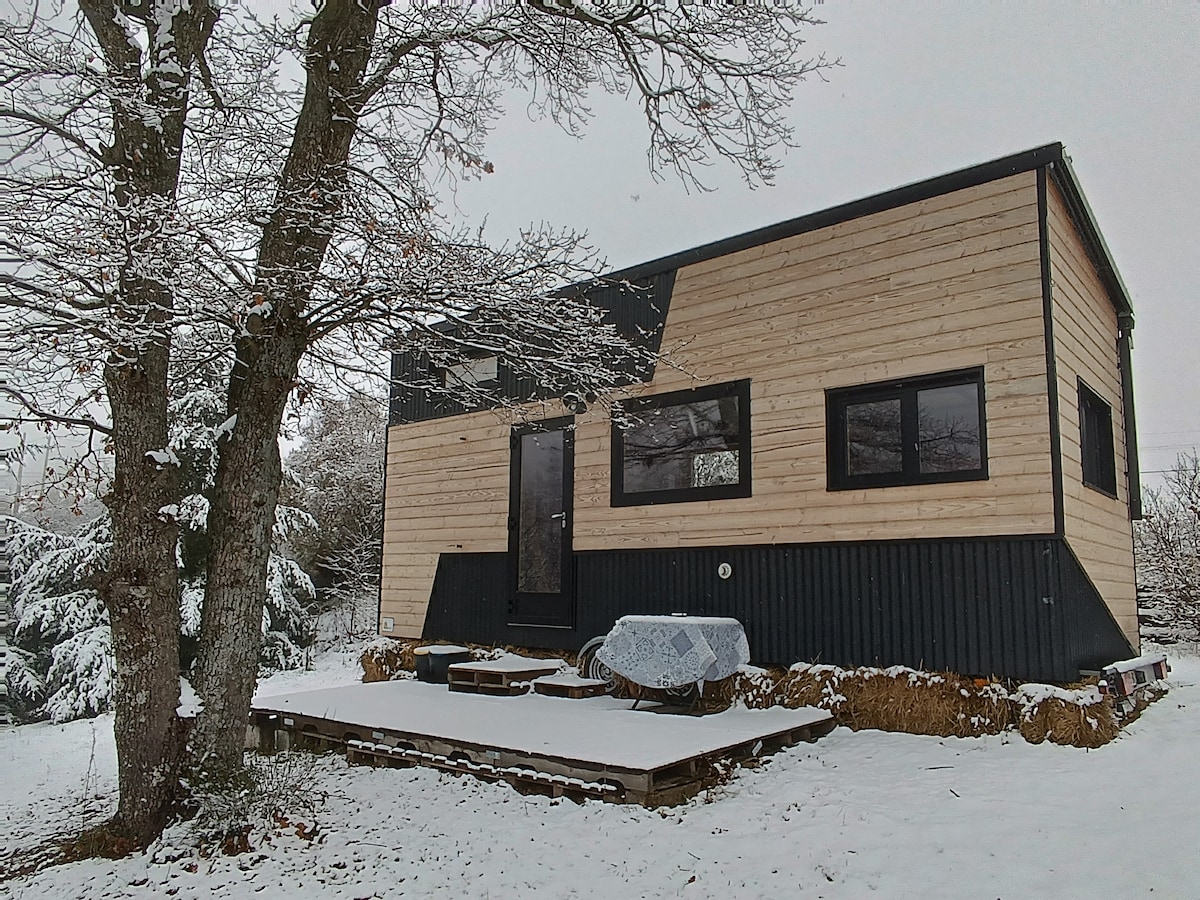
(687, 445)
(1096, 441)
(915, 431)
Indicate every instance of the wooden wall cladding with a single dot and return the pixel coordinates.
(1096, 526)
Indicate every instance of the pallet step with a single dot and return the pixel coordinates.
(570, 687)
(509, 676)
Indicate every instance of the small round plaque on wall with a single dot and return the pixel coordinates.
(724, 570)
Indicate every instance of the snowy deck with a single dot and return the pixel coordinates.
(598, 747)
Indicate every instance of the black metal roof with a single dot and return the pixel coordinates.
(1051, 156)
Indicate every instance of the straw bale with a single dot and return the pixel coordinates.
(567, 656)
(383, 658)
(1077, 716)
(891, 699)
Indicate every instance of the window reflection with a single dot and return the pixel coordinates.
(948, 428)
(873, 438)
(685, 445)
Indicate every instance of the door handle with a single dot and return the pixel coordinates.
(562, 517)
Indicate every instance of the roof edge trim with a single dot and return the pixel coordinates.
(1065, 179)
(914, 192)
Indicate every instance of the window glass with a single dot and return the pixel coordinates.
(873, 437)
(539, 567)
(472, 373)
(948, 428)
(1096, 437)
(683, 446)
(919, 430)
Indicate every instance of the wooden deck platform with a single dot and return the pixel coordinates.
(596, 747)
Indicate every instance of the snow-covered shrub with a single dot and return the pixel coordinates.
(272, 793)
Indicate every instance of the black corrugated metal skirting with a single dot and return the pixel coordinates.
(1013, 607)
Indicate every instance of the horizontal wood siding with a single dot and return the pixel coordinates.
(1097, 527)
(946, 283)
(943, 284)
(447, 492)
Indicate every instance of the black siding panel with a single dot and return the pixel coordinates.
(637, 309)
(1019, 608)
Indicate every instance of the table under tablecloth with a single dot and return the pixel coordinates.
(673, 651)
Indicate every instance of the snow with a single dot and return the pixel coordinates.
(1144, 661)
(509, 662)
(162, 458)
(190, 704)
(225, 428)
(855, 815)
(1030, 695)
(603, 730)
(444, 650)
(569, 679)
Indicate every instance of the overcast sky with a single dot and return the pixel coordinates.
(927, 88)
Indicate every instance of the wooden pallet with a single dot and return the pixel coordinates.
(574, 689)
(502, 678)
(529, 772)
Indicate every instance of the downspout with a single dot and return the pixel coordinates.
(1132, 471)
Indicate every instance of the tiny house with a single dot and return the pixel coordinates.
(897, 431)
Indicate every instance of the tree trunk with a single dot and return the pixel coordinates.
(141, 590)
(240, 521)
(141, 593)
(291, 252)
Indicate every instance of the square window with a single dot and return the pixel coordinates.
(1096, 442)
(686, 445)
(474, 373)
(916, 431)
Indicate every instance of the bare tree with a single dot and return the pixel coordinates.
(1167, 542)
(161, 175)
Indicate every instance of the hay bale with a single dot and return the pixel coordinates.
(915, 702)
(894, 699)
(384, 658)
(755, 688)
(534, 653)
(1078, 717)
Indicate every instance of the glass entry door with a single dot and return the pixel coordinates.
(540, 523)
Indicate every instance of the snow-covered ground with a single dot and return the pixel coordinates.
(854, 815)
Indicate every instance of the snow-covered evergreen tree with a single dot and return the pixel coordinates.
(63, 667)
(336, 475)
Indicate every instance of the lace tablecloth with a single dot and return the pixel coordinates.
(673, 651)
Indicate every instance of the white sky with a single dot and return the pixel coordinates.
(928, 88)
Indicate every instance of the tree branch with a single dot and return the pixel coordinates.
(41, 415)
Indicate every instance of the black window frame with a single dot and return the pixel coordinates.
(742, 488)
(1097, 447)
(905, 390)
